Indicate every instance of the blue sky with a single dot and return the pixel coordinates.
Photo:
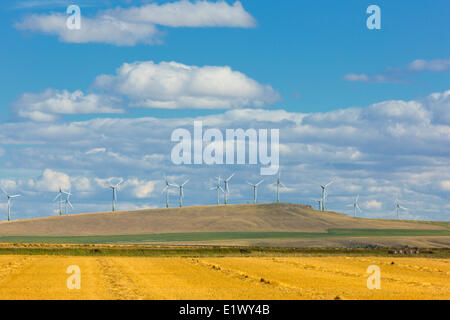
(313, 61)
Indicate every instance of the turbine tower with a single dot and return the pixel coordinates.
(166, 190)
(355, 206)
(398, 207)
(255, 189)
(9, 202)
(61, 200)
(324, 193)
(218, 188)
(181, 187)
(279, 183)
(114, 190)
(319, 202)
(227, 187)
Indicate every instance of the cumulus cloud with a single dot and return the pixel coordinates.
(165, 85)
(373, 204)
(45, 106)
(129, 26)
(141, 189)
(51, 181)
(439, 65)
(445, 185)
(172, 85)
(388, 148)
(188, 14)
(395, 75)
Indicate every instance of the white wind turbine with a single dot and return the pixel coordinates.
(355, 206)
(227, 187)
(9, 202)
(67, 202)
(218, 188)
(324, 193)
(114, 190)
(319, 202)
(255, 189)
(398, 207)
(279, 183)
(166, 190)
(61, 200)
(181, 187)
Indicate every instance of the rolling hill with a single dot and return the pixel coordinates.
(260, 218)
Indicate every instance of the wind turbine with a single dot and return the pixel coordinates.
(9, 202)
(398, 207)
(279, 183)
(218, 188)
(166, 190)
(114, 190)
(319, 202)
(181, 187)
(61, 200)
(355, 206)
(324, 193)
(255, 189)
(67, 202)
(227, 187)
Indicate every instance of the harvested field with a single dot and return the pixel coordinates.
(44, 277)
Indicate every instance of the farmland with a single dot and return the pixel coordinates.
(306, 277)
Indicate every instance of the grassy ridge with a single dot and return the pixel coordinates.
(211, 236)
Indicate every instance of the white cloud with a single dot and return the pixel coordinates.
(373, 204)
(389, 148)
(353, 77)
(445, 185)
(129, 26)
(103, 29)
(51, 181)
(45, 106)
(141, 189)
(172, 85)
(81, 184)
(188, 14)
(439, 65)
(96, 150)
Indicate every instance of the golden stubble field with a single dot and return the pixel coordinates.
(45, 277)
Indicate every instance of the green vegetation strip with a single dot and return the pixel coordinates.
(211, 236)
(191, 252)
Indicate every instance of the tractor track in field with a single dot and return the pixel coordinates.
(361, 275)
(119, 283)
(257, 280)
(12, 267)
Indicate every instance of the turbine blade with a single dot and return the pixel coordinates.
(329, 184)
(120, 182)
(229, 178)
(260, 182)
(186, 182)
(3, 190)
